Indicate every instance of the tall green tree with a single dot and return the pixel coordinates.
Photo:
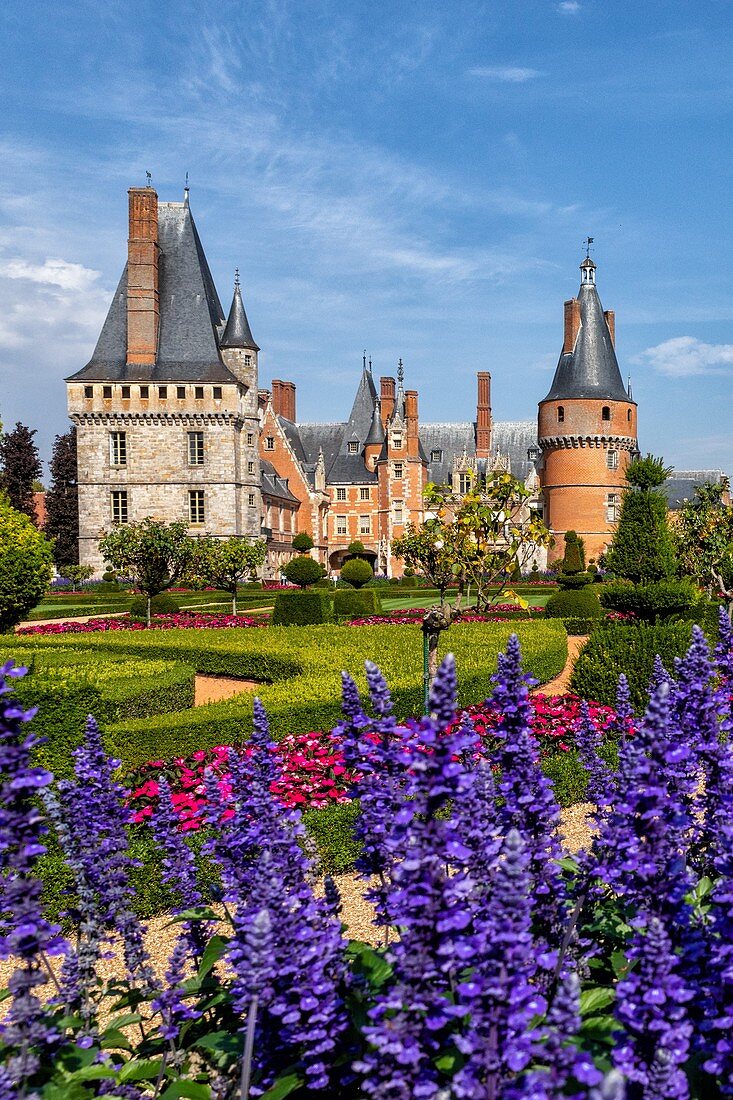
(20, 467)
(643, 548)
(704, 536)
(225, 563)
(155, 555)
(62, 500)
(26, 565)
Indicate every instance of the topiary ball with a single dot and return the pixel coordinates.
(581, 603)
(162, 604)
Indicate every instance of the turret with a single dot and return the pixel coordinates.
(587, 425)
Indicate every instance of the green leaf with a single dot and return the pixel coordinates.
(599, 1027)
(619, 963)
(283, 1087)
(592, 1000)
(114, 1039)
(125, 1019)
(54, 1090)
(449, 1062)
(372, 963)
(91, 1073)
(214, 950)
(191, 1090)
(220, 1041)
(198, 912)
(145, 1070)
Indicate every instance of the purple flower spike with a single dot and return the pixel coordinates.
(600, 784)
(443, 691)
(378, 690)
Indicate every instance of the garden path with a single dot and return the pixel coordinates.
(561, 683)
(212, 689)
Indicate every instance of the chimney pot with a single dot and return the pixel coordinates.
(143, 303)
(572, 325)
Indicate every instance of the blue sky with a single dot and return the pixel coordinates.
(415, 179)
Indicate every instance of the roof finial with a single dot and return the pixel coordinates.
(148, 179)
(236, 276)
(186, 190)
(370, 364)
(363, 359)
(400, 372)
(586, 244)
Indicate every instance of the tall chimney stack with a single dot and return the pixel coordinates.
(386, 398)
(143, 306)
(413, 446)
(610, 316)
(572, 324)
(483, 415)
(283, 399)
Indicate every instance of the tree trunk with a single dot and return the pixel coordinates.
(148, 601)
(234, 602)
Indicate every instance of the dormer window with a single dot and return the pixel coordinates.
(353, 446)
(397, 442)
(605, 413)
(560, 414)
(436, 456)
(270, 443)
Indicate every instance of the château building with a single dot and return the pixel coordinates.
(173, 423)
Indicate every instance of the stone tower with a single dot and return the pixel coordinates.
(587, 428)
(166, 409)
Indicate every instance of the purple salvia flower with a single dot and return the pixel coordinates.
(179, 866)
(500, 994)
(171, 1002)
(443, 693)
(600, 783)
(716, 1010)
(24, 932)
(378, 690)
(652, 1005)
(529, 803)
(429, 898)
(94, 806)
(659, 675)
(264, 868)
(557, 1050)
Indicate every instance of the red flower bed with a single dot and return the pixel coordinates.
(159, 622)
(415, 615)
(314, 774)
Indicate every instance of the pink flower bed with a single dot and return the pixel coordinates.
(159, 622)
(314, 773)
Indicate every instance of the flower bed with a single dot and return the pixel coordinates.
(313, 772)
(497, 614)
(182, 620)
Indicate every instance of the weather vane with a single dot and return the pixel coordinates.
(149, 179)
(236, 276)
(587, 243)
(400, 371)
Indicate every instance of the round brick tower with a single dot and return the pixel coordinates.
(586, 426)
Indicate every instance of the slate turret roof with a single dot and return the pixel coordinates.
(591, 369)
(191, 316)
(237, 333)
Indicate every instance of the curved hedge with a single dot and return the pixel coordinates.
(300, 672)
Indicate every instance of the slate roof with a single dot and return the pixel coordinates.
(591, 368)
(273, 485)
(237, 333)
(450, 440)
(514, 438)
(681, 486)
(190, 314)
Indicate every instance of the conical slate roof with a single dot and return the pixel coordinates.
(237, 333)
(376, 431)
(591, 369)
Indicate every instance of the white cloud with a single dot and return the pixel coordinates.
(569, 7)
(505, 74)
(686, 356)
(59, 273)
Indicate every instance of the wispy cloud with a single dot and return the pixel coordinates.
(686, 356)
(505, 74)
(569, 7)
(59, 273)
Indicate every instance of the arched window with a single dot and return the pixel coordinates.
(605, 413)
(560, 413)
(628, 414)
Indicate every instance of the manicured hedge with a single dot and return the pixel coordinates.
(300, 670)
(303, 608)
(353, 604)
(580, 603)
(614, 648)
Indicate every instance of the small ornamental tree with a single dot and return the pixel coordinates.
(643, 547)
(62, 501)
(26, 565)
(303, 542)
(303, 571)
(356, 548)
(704, 538)
(154, 554)
(20, 468)
(573, 562)
(356, 571)
(77, 574)
(225, 563)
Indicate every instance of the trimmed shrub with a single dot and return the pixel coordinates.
(568, 604)
(577, 627)
(614, 648)
(302, 608)
(162, 604)
(303, 571)
(573, 561)
(408, 581)
(357, 571)
(651, 602)
(355, 604)
(574, 580)
(303, 542)
(26, 565)
(643, 547)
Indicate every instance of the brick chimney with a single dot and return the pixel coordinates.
(413, 445)
(143, 307)
(483, 415)
(610, 315)
(386, 398)
(572, 324)
(283, 398)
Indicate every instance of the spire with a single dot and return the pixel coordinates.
(588, 367)
(399, 407)
(237, 333)
(376, 431)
